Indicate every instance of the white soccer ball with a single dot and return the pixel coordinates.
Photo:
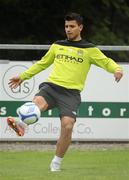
(29, 113)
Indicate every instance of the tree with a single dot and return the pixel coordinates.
(42, 21)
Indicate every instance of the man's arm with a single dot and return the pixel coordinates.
(99, 59)
(39, 66)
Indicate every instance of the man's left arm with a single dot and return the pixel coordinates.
(99, 59)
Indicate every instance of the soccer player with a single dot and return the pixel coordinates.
(71, 59)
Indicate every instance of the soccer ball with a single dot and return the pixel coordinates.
(29, 113)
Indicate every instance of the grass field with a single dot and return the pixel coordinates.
(77, 165)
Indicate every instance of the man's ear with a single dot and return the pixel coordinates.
(81, 27)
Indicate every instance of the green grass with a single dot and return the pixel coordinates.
(77, 165)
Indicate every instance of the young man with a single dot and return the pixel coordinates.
(72, 59)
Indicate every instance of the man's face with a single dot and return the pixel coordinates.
(73, 30)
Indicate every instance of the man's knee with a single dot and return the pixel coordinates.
(40, 102)
(67, 123)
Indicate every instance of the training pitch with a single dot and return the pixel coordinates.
(99, 164)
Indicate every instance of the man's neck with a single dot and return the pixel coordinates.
(74, 40)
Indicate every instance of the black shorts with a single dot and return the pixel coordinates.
(66, 100)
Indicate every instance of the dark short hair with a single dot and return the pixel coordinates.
(74, 16)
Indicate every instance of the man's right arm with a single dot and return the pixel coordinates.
(40, 65)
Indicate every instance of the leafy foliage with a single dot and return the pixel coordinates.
(42, 21)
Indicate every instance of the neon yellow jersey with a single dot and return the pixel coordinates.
(71, 63)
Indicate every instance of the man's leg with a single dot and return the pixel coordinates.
(40, 102)
(63, 142)
(17, 125)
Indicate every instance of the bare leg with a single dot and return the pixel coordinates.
(64, 140)
(40, 102)
(67, 124)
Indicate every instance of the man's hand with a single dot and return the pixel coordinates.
(118, 75)
(14, 82)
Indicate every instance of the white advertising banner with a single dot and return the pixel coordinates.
(85, 129)
(103, 113)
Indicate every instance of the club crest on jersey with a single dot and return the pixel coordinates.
(80, 52)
